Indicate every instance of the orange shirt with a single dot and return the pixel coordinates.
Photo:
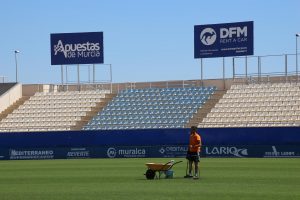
(195, 142)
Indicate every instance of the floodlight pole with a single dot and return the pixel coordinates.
(297, 35)
(246, 69)
(89, 73)
(62, 77)
(258, 69)
(16, 60)
(285, 66)
(110, 67)
(224, 82)
(67, 78)
(78, 78)
(94, 73)
(233, 69)
(201, 72)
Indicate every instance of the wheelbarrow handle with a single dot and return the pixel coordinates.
(176, 163)
(172, 164)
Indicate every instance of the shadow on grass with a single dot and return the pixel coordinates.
(168, 179)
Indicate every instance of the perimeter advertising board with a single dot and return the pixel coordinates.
(222, 40)
(160, 151)
(76, 48)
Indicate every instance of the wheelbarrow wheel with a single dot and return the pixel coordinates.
(150, 174)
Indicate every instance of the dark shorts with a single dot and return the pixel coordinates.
(193, 156)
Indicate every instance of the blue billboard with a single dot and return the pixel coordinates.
(279, 142)
(223, 40)
(77, 48)
(160, 151)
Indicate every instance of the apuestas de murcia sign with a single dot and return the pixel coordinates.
(77, 48)
(87, 49)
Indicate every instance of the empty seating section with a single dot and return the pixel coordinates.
(257, 105)
(151, 108)
(51, 111)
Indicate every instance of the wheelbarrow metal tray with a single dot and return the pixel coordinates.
(159, 166)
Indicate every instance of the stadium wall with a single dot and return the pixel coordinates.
(217, 142)
(30, 89)
(221, 84)
(11, 96)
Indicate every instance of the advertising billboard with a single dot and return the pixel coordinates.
(160, 151)
(76, 48)
(223, 40)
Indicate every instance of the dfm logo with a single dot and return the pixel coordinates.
(208, 36)
(233, 31)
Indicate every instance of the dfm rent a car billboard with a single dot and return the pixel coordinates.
(223, 40)
(77, 48)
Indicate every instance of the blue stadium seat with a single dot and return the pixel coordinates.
(151, 108)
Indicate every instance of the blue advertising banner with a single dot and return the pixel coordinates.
(232, 151)
(4, 154)
(160, 151)
(222, 40)
(76, 48)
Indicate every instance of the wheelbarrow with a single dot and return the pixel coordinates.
(160, 168)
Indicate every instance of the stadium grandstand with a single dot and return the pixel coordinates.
(274, 101)
(131, 100)
(256, 105)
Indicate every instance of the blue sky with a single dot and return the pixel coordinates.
(144, 40)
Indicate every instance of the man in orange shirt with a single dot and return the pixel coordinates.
(193, 154)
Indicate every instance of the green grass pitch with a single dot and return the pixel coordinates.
(123, 179)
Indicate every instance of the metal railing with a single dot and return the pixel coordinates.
(117, 87)
(248, 124)
(34, 129)
(283, 67)
(3, 79)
